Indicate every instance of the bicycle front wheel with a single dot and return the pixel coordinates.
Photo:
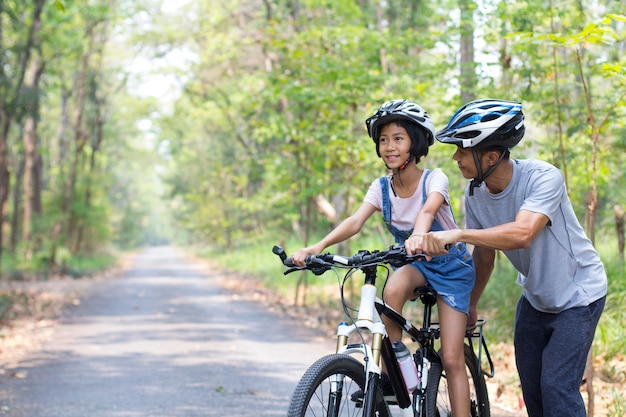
(327, 387)
(437, 395)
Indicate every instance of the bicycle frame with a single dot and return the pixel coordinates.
(378, 349)
(369, 318)
(371, 310)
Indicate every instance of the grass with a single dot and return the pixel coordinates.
(498, 302)
(88, 265)
(18, 268)
(14, 303)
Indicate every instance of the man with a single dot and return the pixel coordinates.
(522, 208)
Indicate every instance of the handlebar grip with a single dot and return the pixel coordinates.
(277, 250)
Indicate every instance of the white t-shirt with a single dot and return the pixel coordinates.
(404, 210)
(561, 269)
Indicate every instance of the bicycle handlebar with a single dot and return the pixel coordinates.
(395, 256)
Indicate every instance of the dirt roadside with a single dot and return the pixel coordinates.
(41, 302)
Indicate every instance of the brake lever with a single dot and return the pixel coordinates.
(293, 269)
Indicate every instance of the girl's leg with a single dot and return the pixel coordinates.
(399, 289)
(453, 324)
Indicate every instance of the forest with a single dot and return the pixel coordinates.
(262, 105)
(232, 126)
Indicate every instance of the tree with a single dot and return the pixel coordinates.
(14, 59)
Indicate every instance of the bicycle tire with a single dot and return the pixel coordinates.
(312, 396)
(437, 398)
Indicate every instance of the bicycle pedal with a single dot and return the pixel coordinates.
(358, 401)
(391, 399)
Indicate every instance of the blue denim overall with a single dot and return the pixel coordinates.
(452, 275)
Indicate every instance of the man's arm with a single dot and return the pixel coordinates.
(484, 259)
(518, 234)
(514, 235)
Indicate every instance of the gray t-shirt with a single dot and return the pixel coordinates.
(561, 269)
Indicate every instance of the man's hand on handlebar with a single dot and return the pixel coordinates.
(437, 243)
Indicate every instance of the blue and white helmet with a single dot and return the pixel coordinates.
(486, 123)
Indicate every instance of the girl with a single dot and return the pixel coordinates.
(415, 201)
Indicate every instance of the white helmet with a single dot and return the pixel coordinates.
(400, 110)
(482, 124)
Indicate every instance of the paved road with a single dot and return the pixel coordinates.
(164, 340)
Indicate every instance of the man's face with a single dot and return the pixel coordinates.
(465, 162)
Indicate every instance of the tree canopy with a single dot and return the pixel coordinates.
(135, 122)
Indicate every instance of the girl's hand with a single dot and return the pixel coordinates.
(299, 258)
(414, 245)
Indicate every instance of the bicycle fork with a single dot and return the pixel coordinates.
(368, 318)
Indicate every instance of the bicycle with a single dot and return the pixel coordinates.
(328, 388)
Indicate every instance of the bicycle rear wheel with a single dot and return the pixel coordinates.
(326, 388)
(438, 399)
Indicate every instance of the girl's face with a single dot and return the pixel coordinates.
(394, 145)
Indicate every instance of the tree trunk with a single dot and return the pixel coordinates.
(17, 193)
(468, 66)
(619, 228)
(80, 140)
(8, 105)
(32, 169)
(4, 172)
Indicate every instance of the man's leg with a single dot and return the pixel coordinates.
(565, 358)
(530, 339)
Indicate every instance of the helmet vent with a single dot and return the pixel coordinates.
(468, 135)
(489, 117)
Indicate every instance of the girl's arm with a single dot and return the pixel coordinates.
(345, 230)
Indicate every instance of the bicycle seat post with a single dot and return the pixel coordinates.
(429, 299)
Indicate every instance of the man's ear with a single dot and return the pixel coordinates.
(492, 157)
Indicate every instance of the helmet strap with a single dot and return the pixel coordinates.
(403, 166)
(411, 157)
(478, 181)
(397, 173)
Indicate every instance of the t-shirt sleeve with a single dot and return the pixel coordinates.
(438, 182)
(374, 195)
(544, 191)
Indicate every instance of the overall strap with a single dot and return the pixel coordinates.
(386, 203)
(435, 226)
(424, 193)
(399, 235)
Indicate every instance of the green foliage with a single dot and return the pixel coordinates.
(78, 266)
(498, 303)
(6, 301)
(269, 118)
